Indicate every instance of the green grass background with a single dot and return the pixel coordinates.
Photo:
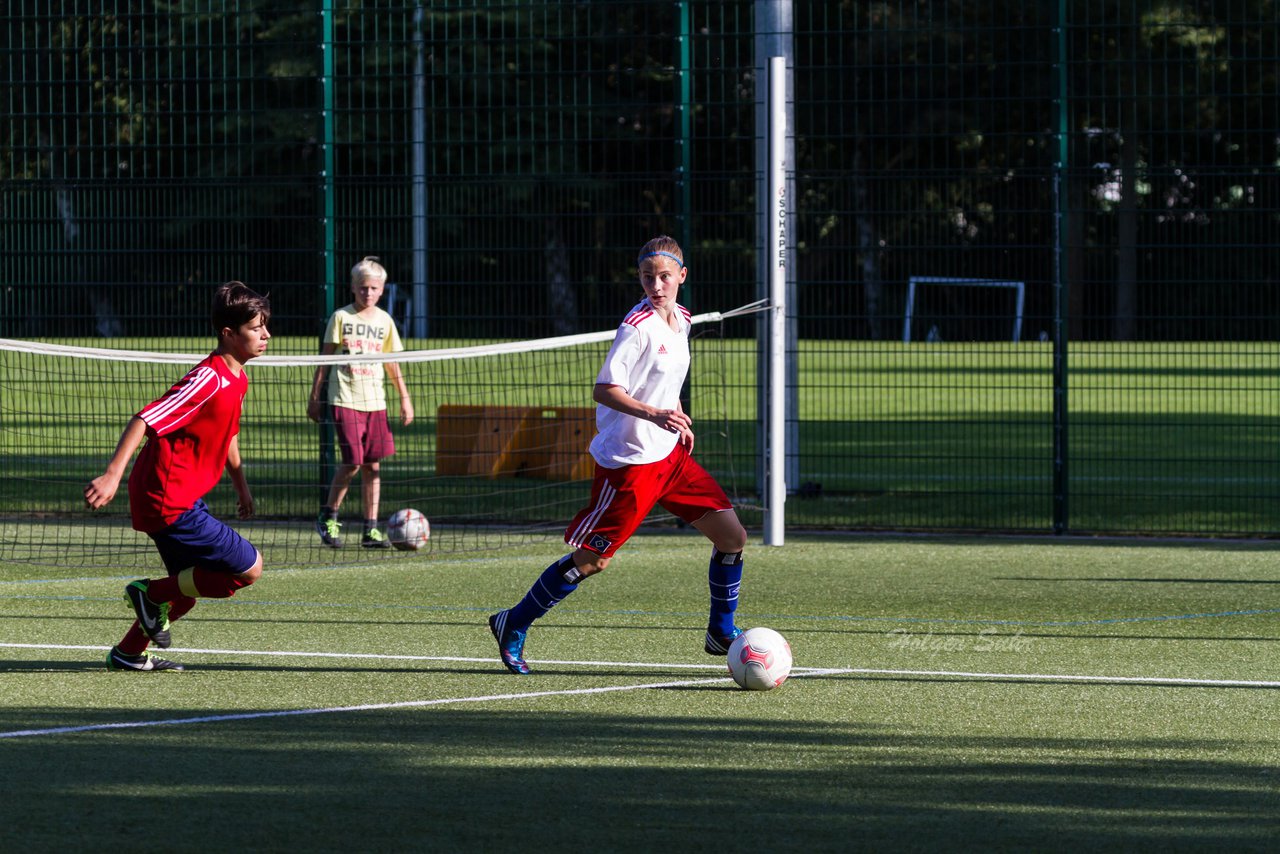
(921, 754)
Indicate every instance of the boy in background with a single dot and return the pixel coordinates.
(359, 402)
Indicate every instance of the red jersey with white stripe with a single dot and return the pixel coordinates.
(189, 432)
(649, 361)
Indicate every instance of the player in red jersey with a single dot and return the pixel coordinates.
(643, 453)
(192, 435)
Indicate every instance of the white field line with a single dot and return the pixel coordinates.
(407, 704)
(1063, 677)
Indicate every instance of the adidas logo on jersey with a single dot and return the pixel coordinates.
(662, 349)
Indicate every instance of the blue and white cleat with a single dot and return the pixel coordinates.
(510, 643)
(719, 645)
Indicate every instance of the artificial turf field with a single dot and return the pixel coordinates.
(948, 694)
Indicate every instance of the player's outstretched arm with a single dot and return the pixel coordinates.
(99, 491)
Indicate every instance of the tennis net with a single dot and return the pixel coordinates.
(497, 453)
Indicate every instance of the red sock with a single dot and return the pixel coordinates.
(218, 585)
(134, 642)
(164, 590)
(180, 606)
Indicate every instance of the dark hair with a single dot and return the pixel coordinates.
(235, 304)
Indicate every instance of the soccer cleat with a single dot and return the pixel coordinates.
(374, 539)
(153, 619)
(328, 528)
(719, 645)
(510, 643)
(117, 660)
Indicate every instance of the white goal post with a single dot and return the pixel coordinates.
(1019, 289)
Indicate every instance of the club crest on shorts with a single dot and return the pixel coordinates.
(599, 544)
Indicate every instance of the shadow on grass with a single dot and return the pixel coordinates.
(1101, 580)
(195, 665)
(449, 779)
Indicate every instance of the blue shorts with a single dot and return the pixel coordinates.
(198, 539)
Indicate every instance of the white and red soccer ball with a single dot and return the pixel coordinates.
(408, 530)
(760, 659)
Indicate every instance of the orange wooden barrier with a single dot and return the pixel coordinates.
(548, 443)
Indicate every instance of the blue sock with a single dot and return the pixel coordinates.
(724, 578)
(548, 590)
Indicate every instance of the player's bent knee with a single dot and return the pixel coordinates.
(724, 530)
(251, 574)
(738, 543)
(589, 563)
(732, 539)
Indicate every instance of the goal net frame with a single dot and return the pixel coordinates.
(916, 281)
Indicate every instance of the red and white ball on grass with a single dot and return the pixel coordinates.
(408, 530)
(760, 659)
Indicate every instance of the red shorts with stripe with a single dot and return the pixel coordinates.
(621, 498)
(363, 437)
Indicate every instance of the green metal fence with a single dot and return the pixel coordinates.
(1035, 244)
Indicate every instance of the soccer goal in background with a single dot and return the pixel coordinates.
(943, 308)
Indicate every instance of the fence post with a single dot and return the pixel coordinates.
(418, 121)
(684, 128)
(328, 263)
(776, 439)
(684, 161)
(1061, 285)
(774, 37)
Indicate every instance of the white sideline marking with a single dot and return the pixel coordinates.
(408, 704)
(798, 671)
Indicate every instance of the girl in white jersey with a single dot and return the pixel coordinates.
(643, 457)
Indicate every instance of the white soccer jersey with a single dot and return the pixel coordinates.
(649, 361)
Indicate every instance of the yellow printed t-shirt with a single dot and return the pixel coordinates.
(360, 386)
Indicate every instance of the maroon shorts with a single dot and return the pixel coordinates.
(621, 498)
(363, 437)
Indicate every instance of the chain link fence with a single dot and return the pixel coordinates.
(1034, 244)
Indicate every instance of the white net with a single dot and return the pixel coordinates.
(496, 455)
